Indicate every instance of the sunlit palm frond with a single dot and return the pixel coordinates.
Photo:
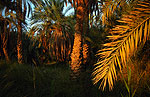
(133, 31)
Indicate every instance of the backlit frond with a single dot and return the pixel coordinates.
(134, 30)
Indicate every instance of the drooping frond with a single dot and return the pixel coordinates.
(133, 31)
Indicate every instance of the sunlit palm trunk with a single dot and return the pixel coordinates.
(6, 54)
(76, 59)
(4, 38)
(77, 54)
(19, 27)
(19, 43)
(85, 54)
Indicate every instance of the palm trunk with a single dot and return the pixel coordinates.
(76, 59)
(19, 44)
(85, 32)
(77, 54)
(19, 27)
(4, 42)
(6, 54)
(80, 48)
(85, 53)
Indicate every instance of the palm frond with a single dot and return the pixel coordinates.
(111, 7)
(133, 31)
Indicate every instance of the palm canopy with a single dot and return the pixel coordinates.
(49, 13)
(132, 32)
(10, 8)
(49, 21)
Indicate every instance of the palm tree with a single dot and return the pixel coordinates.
(53, 28)
(19, 28)
(21, 16)
(5, 21)
(21, 13)
(79, 53)
(126, 38)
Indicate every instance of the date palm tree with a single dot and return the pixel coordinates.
(126, 38)
(79, 53)
(53, 28)
(17, 10)
(22, 13)
(5, 26)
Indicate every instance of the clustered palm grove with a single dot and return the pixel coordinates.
(110, 36)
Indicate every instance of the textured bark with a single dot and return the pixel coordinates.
(85, 53)
(19, 27)
(76, 57)
(77, 54)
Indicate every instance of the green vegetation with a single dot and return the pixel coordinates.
(19, 80)
(23, 80)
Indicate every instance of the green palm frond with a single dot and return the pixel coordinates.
(133, 31)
